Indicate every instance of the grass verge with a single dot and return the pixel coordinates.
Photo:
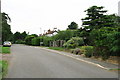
(4, 50)
(114, 69)
(57, 48)
(3, 68)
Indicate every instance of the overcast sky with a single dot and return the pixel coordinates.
(31, 15)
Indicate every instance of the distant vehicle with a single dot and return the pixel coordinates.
(7, 44)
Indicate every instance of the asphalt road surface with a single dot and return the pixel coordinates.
(32, 62)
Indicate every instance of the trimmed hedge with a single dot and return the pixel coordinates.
(46, 40)
(36, 41)
(28, 39)
(19, 42)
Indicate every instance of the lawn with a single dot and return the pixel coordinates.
(57, 48)
(4, 50)
(3, 68)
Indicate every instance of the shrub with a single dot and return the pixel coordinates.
(87, 50)
(46, 40)
(19, 42)
(114, 45)
(106, 41)
(64, 35)
(74, 42)
(28, 39)
(36, 41)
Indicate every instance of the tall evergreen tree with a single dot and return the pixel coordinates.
(6, 29)
(95, 17)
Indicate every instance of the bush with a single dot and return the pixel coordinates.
(114, 43)
(46, 40)
(28, 39)
(65, 35)
(36, 41)
(87, 50)
(106, 41)
(19, 42)
(74, 42)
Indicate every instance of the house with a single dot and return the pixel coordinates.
(50, 33)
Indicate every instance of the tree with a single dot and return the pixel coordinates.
(6, 29)
(23, 35)
(17, 36)
(64, 35)
(95, 18)
(73, 25)
(28, 39)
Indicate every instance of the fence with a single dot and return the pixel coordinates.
(58, 43)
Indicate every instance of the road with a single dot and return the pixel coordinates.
(32, 62)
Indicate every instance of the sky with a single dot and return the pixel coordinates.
(37, 16)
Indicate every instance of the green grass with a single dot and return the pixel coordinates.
(114, 69)
(57, 48)
(3, 68)
(4, 50)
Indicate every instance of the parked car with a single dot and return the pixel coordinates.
(7, 44)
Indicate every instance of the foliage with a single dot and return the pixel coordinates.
(103, 39)
(74, 42)
(73, 25)
(36, 41)
(87, 50)
(19, 42)
(65, 35)
(46, 40)
(101, 31)
(114, 43)
(6, 29)
(19, 37)
(28, 39)
(94, 19)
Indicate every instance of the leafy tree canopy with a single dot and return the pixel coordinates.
(73, 25)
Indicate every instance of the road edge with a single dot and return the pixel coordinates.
(98, 65)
